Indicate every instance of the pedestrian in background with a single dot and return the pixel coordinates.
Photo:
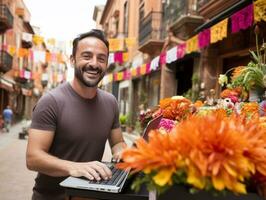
(70, 124)
(7, 115)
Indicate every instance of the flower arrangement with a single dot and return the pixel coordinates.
(219, 157)
(252, 76)
(175, 108)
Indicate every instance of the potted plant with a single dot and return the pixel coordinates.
(123, 121)
(252, 78)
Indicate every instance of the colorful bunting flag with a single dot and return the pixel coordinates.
(242, 19)
(118, 57)
(171, 55)
(204, 38)
(22, 52)
(155, 63)
(116, 44)
(219, 31)
(192, 44)
(37, 39)
(130, 42)
(11, 50)
(181, 50)
(260, 10)
(125, 57)
(111, 58)
(162, 60)
(143, 69)
(133, 72)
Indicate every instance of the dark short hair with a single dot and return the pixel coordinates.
(92, 33)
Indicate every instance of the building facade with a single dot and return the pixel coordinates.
(160, 25)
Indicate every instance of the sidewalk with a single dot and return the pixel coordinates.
(16, 180)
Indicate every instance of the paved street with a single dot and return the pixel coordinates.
(16, 180)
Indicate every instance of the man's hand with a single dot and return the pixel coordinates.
(117, 151)
(92, 170)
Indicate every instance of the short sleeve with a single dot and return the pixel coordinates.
(116, 123)
(44, 115)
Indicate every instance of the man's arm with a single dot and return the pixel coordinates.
(117, 143)
(38, 159)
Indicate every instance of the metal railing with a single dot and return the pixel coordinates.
(174, 10)
(150, 27)
(5, 61)
(6, 15)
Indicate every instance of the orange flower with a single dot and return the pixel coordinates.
(198, 104)
(237, 72)
(251, 108)
(175, 108)
(160, 154)
(214, 151)
(229, 92)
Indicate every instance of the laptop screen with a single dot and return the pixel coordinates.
(153, 124)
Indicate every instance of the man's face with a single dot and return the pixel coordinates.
(90, 61)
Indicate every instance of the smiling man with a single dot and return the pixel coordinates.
(70, 124)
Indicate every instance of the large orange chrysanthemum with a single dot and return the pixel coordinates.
(175, 108)
(216, 149)
(160, 154)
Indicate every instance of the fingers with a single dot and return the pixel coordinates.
(92, 170)
(104, 170)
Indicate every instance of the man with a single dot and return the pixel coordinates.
(71, 124)
(7, 115)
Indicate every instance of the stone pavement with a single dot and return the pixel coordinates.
(16, 181)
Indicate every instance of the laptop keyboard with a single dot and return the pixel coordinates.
(117, 174)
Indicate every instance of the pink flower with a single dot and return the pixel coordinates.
(167, 124)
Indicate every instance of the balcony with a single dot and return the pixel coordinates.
(181, 17)
(26, 40)
(210, 8)
(6, 18)
(5, 61)
(150, 37)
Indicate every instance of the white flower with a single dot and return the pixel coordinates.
(222, 79)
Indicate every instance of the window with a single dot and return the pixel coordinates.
(126, 19)
(141, 12)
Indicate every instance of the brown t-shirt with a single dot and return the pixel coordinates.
(81, 128)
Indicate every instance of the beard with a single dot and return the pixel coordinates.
(80, 74)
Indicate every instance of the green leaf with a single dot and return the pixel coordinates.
(255, 57)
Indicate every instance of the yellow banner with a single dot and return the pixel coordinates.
(37, 39)
(125, 57)
(11, 50)
(259, 10)
(134, 72)
(116, 44)
(130, 42)
(219, 31)
(120, 76)
(143, 69)
(192, 44)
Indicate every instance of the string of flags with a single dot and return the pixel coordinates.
(240, 20)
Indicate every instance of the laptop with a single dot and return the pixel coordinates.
(119, 177)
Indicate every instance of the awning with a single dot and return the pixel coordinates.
(226, 13)
(7, 81)
(26, 92)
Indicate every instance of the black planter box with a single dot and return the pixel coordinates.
(182, 193)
